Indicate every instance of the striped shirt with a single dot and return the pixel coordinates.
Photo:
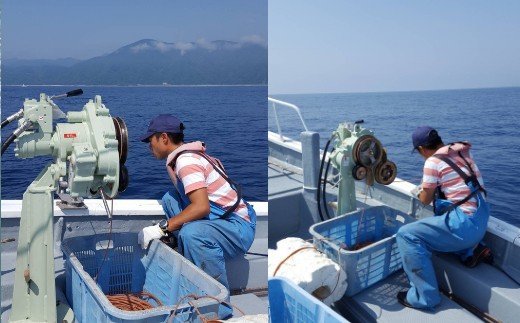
(196, 172)
(438, 173)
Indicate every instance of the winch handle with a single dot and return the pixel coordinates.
(75, 92)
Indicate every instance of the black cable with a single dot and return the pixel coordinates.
(5, 123)
(256, 254)
(318, 191)
(8, 142)
(324, 195)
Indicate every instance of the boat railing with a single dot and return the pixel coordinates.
(274, 103)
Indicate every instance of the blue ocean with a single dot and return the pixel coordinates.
(488, 118)
(231, 120)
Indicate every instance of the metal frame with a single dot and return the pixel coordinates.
(274, 102)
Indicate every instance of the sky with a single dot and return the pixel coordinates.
(340, 46)
(83, 29)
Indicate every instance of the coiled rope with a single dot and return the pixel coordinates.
(133, 301)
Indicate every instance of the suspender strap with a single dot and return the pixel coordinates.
(456, 168)
(220, 169)
(467, 179)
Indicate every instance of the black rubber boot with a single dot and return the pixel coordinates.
(480, 254)
(401, 298)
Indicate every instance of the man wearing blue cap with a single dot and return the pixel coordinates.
(452, 181)
(215, 224)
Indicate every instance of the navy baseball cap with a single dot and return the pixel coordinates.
(423, 136)
(163, 123)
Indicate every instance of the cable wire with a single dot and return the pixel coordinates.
(109, 214)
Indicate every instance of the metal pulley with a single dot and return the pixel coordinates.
(385, 173)
(359, 172)
(358, 155)
(384, 157)
(122, 148)
(122, 138)
(367, 151)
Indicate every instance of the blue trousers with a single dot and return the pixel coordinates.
(454, 233)
(209, 243)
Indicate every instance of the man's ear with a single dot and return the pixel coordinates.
(164, 138)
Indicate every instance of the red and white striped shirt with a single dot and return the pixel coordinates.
(437, 172)
(196, 172)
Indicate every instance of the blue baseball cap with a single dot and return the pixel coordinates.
(163, 123)
(423, 136)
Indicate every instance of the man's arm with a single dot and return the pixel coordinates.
(426, 196)
(197, 209)
(430, 180)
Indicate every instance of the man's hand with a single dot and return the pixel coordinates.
(425, 195)
(148, 234)
(416, 192)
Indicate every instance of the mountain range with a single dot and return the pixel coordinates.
(150, 62)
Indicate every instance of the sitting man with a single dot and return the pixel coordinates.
(205, 205)
(453, 182)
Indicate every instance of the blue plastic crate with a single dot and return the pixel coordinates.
(289, 302)
(128, 268)
(368, 265)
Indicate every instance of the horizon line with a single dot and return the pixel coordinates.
(397, 91)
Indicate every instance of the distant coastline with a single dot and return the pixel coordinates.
(136, 85)
(149, 62)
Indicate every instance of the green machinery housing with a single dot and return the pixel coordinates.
(89, 151)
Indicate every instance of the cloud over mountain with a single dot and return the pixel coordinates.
(150, 61)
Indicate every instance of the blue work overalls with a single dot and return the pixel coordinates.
(454, 232)
(210, 241)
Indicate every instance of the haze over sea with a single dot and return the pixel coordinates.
(231, 120)
(488, 118)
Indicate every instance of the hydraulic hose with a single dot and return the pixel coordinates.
(26, 125)
(318, 191)
(8, 142)
(12, 117)
(324, 193)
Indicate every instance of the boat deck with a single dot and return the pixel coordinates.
(247, 275)
(486, 287)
